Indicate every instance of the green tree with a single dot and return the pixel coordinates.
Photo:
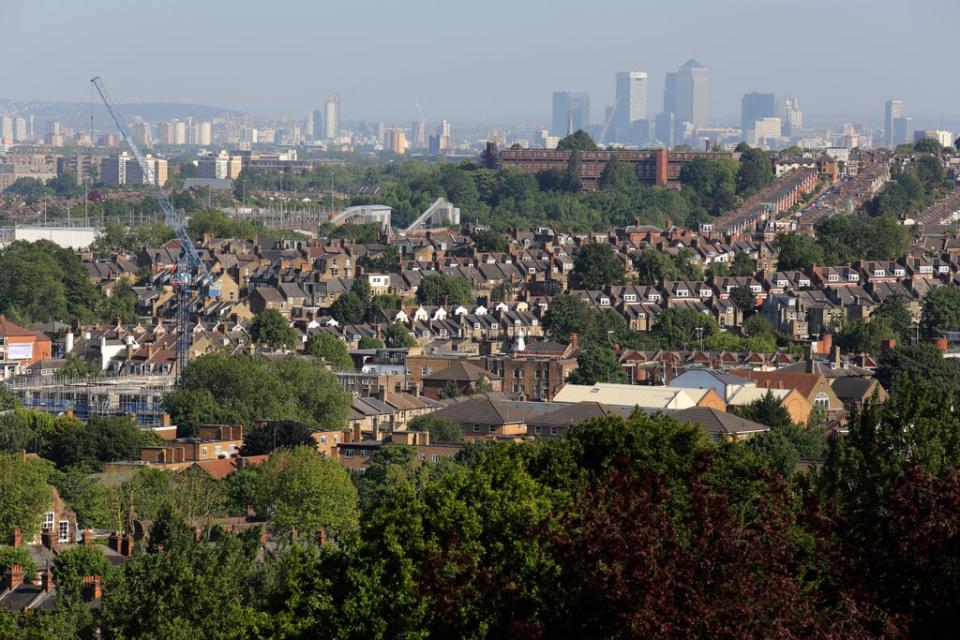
(87, 496)
(579, 140)
(308, 492)
(744, 299)
(71, 566)
(439, 288)
(567, 314)
(941, 312)
(711, 184)
(275, 434)
(682, 328)
(618, 175)
(743, 265)
(490, 240)
(120, 304)
(573, 178)
(440, 428)
(349, 308)
(40, 282)
(370, 342)
(597, 265)
(755, 172)
(8, 399)
(331, 349)
(894, 310)
(597, 363)
(919, 362)
(397, 337)
(797, 251)
(272, 329)
(10, 556)
(928, 145)
(24, 494)
(249, 388)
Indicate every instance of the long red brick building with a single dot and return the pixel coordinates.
(652, 166)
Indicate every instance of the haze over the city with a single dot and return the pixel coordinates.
(490, 62)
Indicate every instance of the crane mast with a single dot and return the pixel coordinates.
(189, 261)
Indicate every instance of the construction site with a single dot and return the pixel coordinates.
(140, 397)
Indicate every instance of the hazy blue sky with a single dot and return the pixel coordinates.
(486, 62)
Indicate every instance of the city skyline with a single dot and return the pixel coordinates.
(295, 73)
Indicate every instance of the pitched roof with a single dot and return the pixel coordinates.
(462, 372)
(852, 388)
(483, 410)
(802, 382)
(716, 421)
(575, 413)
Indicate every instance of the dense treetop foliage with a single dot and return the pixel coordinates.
(240, 389)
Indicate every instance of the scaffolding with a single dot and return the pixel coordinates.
(86, 397)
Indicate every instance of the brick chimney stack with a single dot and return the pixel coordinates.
(16, 540)
(46, 580)
(91, 588)
(14, 576)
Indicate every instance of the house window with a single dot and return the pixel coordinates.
(323, 439)
(436, 457)
(423, 457)
(492, 429)
(48, 519)
(203, 452)
(218, 449)
(425, 371)
(822, 400)
(554, 431)
(64, 531)
(349, 453)
(537, 430)
(476, 428)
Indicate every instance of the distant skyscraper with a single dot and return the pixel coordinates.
(631, 103)
(419, 134)
(893, 109)
(331, 119)
(20, 129)
(6, 128)
(396, 141)
(670, 93)
(901, 131)
(570, 108)
(692, 93)
(753, 107)
(792, 116)
(666, 129)
(316, 117)
(441, 142)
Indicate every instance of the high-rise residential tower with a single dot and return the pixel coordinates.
(570, 110)
(692, 93)
(893, 109)
(331, 118)
(631, 104)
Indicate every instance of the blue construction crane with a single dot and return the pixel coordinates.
(189, 264)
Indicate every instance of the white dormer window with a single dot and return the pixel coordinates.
(877, 273)
(604, 302)
(682, 293)
(755, 288)
(833, 277)
(476, 326)
(495, 325)
(704, 293)
(781, 283)
(630, 297)
(803, 283)
(900, 272)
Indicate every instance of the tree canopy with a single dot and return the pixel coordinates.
(239, 389)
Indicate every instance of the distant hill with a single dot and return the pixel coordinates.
(77, 114)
